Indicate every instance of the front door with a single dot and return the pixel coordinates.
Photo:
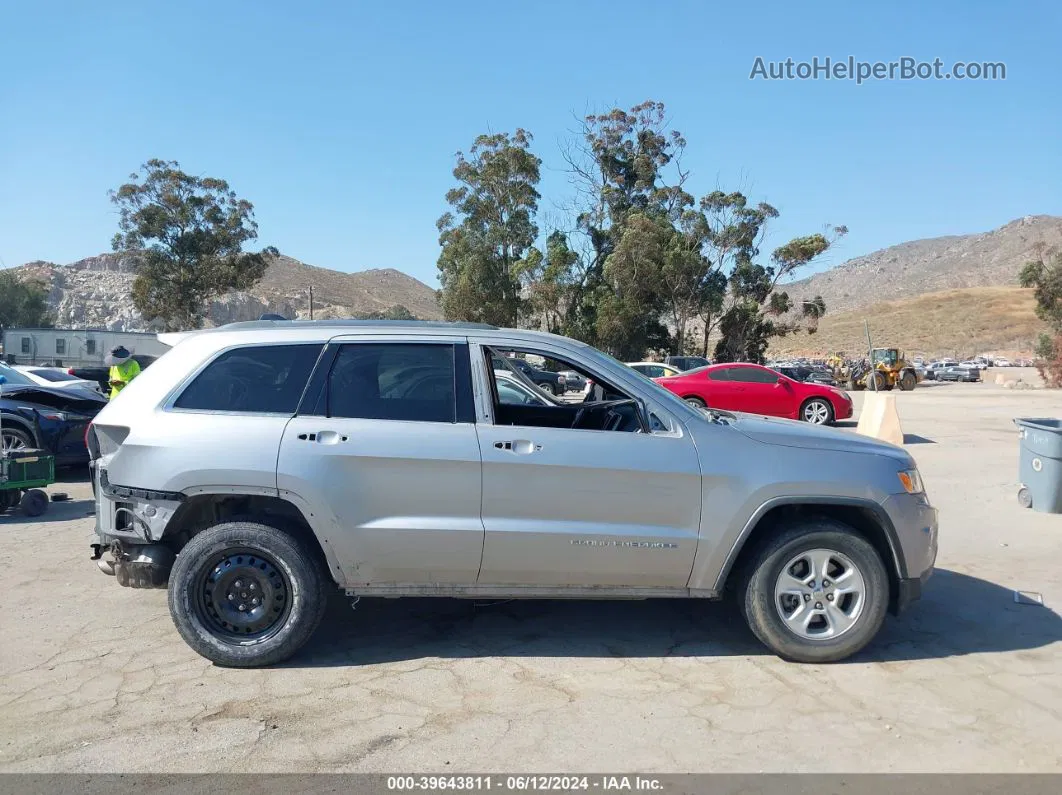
(389, 454)
(564, 507)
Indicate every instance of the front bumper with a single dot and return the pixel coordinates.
(916, 527)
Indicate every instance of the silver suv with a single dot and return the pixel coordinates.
(255, 467)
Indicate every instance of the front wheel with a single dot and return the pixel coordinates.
(908, 381)
(817, 411)
(816, 593)
(244, 594)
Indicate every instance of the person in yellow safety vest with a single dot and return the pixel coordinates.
(123, 369)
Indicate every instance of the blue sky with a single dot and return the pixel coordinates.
(339, 121)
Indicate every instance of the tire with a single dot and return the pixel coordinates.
(758, 593)
(817, 411)
(34, 502)
(15, 439)
(1025, 499)
(281, 568)
(548, 386)
(908, 381)
(696, 402)
(880, 382)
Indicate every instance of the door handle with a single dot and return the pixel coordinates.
(322, 437)
(519, 446)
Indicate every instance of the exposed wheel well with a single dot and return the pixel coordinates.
(206, 510)
(13, 420)
(861, 520)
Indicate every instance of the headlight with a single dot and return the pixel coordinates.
(911, 480)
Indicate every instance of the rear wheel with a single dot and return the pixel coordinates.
(816, 593)
(244, 594)
(817, 411)
(696, 402)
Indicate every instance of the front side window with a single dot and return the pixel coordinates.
(393, 381)
(753, 375)
(263, 379)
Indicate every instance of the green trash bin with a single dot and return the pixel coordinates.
(1040, 468)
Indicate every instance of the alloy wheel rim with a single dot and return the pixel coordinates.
(243, 596)
(820, 594)
(816, 412)
(13, 442)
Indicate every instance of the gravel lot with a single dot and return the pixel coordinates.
(93, 677)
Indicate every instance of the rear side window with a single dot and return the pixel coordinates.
(393, 381)
(721, 375)
(259, 379)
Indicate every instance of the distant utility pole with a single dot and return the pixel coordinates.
(311, 302)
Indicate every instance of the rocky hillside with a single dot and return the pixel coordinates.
(911, 269)
(94, 293)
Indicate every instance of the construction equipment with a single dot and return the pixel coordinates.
(887, 368)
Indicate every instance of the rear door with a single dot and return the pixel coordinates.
(388, 454)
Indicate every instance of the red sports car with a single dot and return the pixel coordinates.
(758, 390)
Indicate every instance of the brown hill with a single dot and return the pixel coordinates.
(958, 323)
(94, 293)
(925, 266)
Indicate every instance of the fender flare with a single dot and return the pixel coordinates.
(7, 418)
(875, 509)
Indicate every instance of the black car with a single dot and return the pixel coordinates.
(53, 420)
(687, 362)
(102, 375)
(810, 375)
(554, 383)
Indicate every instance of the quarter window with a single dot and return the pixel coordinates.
(267, 379)
(393, 381)
(26, 345)
(90, 347)
(60, 346)
(722, 374)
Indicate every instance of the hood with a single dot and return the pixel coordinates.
(74, 399)
(791, 433)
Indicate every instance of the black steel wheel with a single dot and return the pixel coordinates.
(245, 594)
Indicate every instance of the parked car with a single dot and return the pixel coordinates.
(806, 374)
(759, 390)
(1002, 362)
(573, 381)
(54, 377)
(958, 373)
(686, 362)
(654, 369)
(101, 375)
(257, 467)
(45, 418)
(514, 392)
(974, 364)
(555, 383)
(932, 369)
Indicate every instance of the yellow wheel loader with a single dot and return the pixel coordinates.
(888, 368)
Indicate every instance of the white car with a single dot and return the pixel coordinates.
(973, 365)
(56, 378)
(1003, 363)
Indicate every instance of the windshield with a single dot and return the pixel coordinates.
(14, 377)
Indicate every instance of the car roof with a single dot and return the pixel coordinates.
(322, 330)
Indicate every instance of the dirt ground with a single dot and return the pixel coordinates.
(93, 677)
